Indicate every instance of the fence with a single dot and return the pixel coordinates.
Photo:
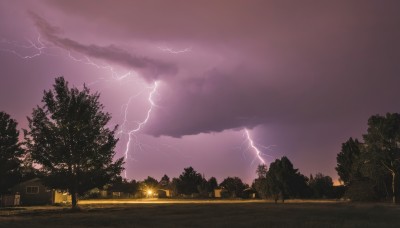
(10, 200)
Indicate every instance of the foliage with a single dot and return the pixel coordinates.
(174, 186)
(361, 190)
(346, 158)
(165, 182)
(383, 146)
(283, 181)
(149, 183)
(202, 188)
(212, 184)
(260, 183)
(262, 171)
(321, 186)
(123, 185)
(234, 186)
(10, 153)
(188, 181)
(375, 164)
(69, 138)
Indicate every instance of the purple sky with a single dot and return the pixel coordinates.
(303, 76)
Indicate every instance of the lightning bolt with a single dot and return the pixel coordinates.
(43, 49)
(132, 132)
(253, 146)
(39, 47)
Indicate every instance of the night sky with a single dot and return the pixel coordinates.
(302, 76)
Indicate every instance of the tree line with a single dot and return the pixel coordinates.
(280, 182)
(70, 146)
(370, 168)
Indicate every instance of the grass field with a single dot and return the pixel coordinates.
(198, 213)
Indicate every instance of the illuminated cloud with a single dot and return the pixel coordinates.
(251, 63)
(149, 69)
(301, 75)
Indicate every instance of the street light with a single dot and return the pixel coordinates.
(149, 193)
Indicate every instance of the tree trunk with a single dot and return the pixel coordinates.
(394, 187)
(74, 200)
(74, 193)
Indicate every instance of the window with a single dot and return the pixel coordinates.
(32, 190)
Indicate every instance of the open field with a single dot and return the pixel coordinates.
(203, 213)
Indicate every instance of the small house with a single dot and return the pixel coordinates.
(163, 193)
(33, 192)
(217, 193)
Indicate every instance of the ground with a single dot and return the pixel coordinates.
(203, 213)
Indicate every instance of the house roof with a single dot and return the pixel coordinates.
(28, 181)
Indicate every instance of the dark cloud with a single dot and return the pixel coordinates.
(282, 62)
(213, 103)
(149, 69)
(308, 74)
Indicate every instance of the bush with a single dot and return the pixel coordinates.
(361, 190)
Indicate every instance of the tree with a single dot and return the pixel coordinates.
(346, 159)
(260, 183)
(383, 145)
(150, 183)
(234, 186)
(188, 181)
(284, 181)
(262, 171)
(202, 188)
(164, 182)
(212, 184)
(10, 153)
(69, 138)
(174, 186)
(123, 185)
(321, 186)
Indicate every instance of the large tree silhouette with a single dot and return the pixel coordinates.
(383, 146)
(10, 153)
(69, 138)
(188, 181)
(346, 159)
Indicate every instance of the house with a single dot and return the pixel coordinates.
(33, 192)
(217, 193)
(164, 193)
(249, 193)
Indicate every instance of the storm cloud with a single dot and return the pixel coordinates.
(149, 69)
(277, 61)
(303, 75)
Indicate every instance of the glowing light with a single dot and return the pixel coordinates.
(253, 146)
(149, 192)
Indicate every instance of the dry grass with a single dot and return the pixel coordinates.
(199, 213)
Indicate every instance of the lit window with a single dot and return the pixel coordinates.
(32, 190)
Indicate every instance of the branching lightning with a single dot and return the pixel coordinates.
(41, 48)
(131, 133)
(254, 147)
(44, 49)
